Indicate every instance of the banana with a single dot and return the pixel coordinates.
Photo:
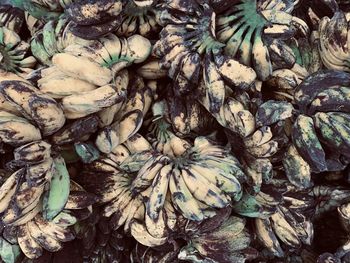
(235, 39)
(107, 115)
(129, 125)
(151, 70)
(107, 139)
(244, 52)
(333, 99)
(27, 196)
(204, 190)
(85, 103)
(330, 135)
(305, 140)
(119, 154)
(259, 137)
(157, 226)
(64, 219)
(49, 38)
(284, 230)
(118, 204)
(82, 68)
(28, 245)
(312, 85)
(261, 58)
(263, 151)
(8, 107)
(76, 131)
(237, 74)
(39, 50)
(42, 238)
(166, 60)
(39, 173)
(216, 176)
(80, 200)
(139, 48)
(297, 170)
(215, 88)
(140, 233)
(28, 216)
(182, 197)
(33, 104)
(178, 113)
(341, 121)
(61, 86)
(112, 187)
(170, 214)
(119, 218)
(8, 189)
(159, 189)
(137, 211)
(93, 50)
(148, 172)
(15, 130)
(267, 237)
(59, 190)
(59, 233)
(33, 152)
(179, 146)
(242, 122)
(137, 143)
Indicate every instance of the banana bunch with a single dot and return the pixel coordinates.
(53, 38)
(34, 105)
(111, 177)
(100, 243)
(39, 233)
(286, 230)
(333, 41)
(85, 66)
(320, 131)
(198, 178)
(255, 139)
(138, 17)
(22, 193)
(192, 54)
(254, 33)
(11, 17)
(14, 53)
(223, 239)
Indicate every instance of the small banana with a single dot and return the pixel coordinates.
(159, 189)
(27, 243)
(204, 190)
(17, 130)
(33, 104)
(140, 233)
(266, 236)
(82, 68)
(182, 197)
(85, 103)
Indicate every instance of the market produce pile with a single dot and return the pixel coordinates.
(212, 131)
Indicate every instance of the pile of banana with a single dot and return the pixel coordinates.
(204, 131)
